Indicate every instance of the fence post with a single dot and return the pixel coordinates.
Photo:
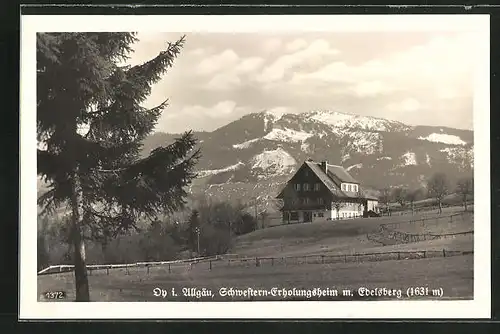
(322, 259)
(272, 261)
(107, 271)
(257, 263)
(90, 271)
(128, 273)
(425, 254)
(444, 252)
(210, 264)
(345, 258)
(147, 267)
(169, 270)
(451, 219)
(399, 255)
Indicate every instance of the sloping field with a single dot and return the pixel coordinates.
(344, 236)
(454, 275)
(445, 225)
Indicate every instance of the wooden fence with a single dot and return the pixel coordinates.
(234, 262)
(423, 220)
(389, 230)
(94, 267)
(398, 211)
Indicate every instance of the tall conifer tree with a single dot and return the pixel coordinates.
(91, 125)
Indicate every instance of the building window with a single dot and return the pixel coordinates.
(297, 187)
(320, 200)
(305, 200)
(316, 187)
(294, 215)
(306, 186)
(356, 188)
(321, 214)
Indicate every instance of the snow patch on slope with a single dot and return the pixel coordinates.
(287, 135)
(276, 113)
(443, 138)
(205, 173)
(464, 157)
(409, 159)
(245, 144)
(342, 120)
(305, 147)
(360, 165)
(273, 115)
(384, 158)
(274, 162)
(365, 142)
(428, 159)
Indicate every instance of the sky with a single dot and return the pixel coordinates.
(418, 78)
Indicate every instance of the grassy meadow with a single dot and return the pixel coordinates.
(453, 274)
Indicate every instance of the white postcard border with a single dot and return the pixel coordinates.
(30, 308)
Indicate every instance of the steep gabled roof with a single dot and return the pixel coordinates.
(327, 181)
(341, 173)
(332, 179)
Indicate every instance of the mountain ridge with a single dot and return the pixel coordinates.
(263, 149)
(251, 158)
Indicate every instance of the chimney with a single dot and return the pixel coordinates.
(324, 165)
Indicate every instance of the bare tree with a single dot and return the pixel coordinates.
(438, 188)
(360, 195)
(264, 218)
(338, 203)
(465, 187)
(400, 195)
(413, 195)
(385, 198)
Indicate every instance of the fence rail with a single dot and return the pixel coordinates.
(400, 211)
(92, 267)
(388, 231)
(425, 219)
(220, 261)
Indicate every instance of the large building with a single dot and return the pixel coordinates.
(319, 191)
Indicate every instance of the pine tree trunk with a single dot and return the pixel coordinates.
(81, 279)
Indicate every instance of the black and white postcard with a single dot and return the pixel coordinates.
(255, 167)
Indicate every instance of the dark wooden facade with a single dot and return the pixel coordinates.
(309, 199)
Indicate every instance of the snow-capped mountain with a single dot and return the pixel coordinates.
(253, 156)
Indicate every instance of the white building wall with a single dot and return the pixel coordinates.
(372, 205)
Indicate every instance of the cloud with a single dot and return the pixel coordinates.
(371, 88)
(296, 45)
(271, 45)
(407, 105)
(221, 109)
(177, 118)
(277, 70)
(249, 64)
(442, 62)
(226, 68)
(217, 62)
(199, 52)
(223, 81)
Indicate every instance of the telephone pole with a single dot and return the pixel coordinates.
(198, 239)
